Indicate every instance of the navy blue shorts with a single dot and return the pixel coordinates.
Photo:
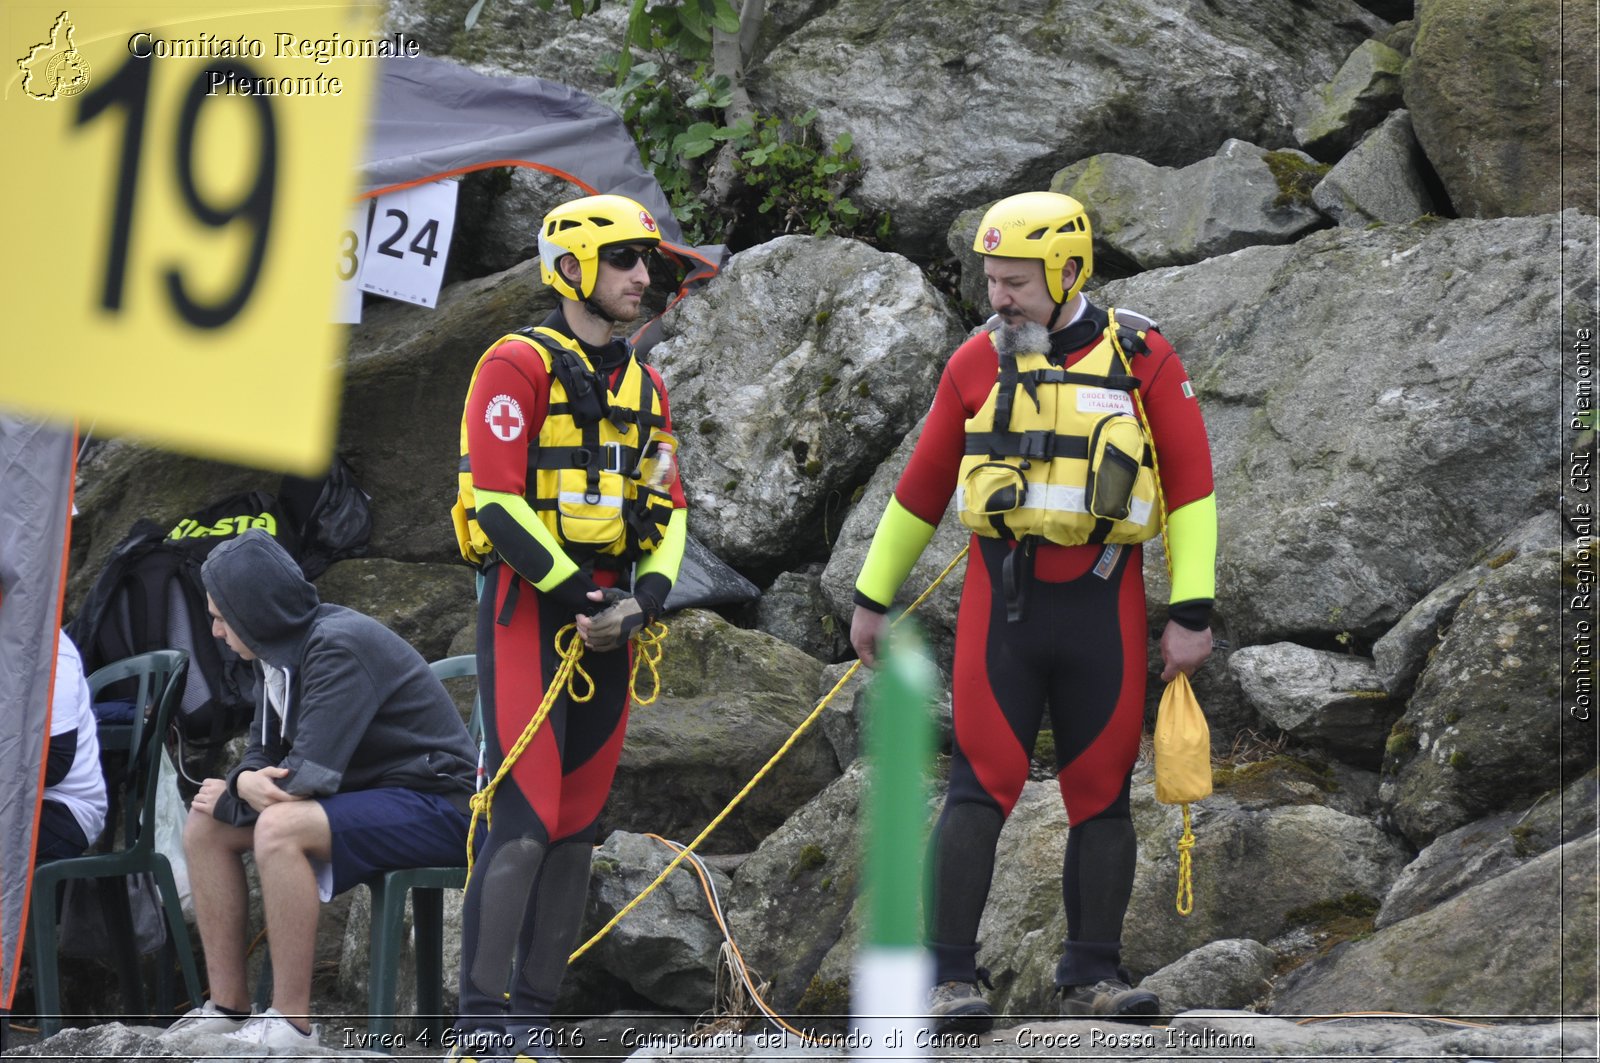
(381, 830)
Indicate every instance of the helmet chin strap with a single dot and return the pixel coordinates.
(594, 308)
(1055, 315)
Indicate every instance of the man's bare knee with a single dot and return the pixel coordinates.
(203, 833)
(297, 826)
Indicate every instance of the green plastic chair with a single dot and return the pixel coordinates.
(158, 676)
(426, 886)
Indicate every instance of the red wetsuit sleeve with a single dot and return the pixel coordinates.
(930, 476)
(505, 411)
(1176, 426)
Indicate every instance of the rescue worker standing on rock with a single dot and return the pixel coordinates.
(570, 505)
(1071, 434)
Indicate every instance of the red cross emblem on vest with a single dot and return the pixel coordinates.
(504, 418)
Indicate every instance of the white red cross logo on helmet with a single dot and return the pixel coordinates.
(504, 418)
(647, 221)
(991, 239)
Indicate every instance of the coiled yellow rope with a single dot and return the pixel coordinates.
(564, 680)
(647, 654)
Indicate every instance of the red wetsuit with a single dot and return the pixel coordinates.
(526, 899)
(1077, 658)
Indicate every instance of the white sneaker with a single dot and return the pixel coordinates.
(208, 1018)
(272, 1029)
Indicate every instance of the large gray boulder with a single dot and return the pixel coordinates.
(1336, 115)
(1484, 728)
(792, 897)
(795, 610)
(1220, 974)
(517, 37)
(791, 377)
(729, 699)
(1404, 649)
(665, 949)
(1329, 701)
(1528, 141)
(1380, 180)
(1488, 847)
(1147, 216)
(1538, 961)
(920, 86)
(1335, 856)
(937, 615)
(1381, 466)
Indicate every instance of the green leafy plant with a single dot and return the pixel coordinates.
(784, 178)
(732, 175)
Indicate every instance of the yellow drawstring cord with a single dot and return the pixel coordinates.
(1185, 868)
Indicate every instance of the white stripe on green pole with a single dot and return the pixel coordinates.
(893, 970)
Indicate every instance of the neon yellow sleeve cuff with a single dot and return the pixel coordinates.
(896, 545)
(1192, 549)
(667, 558)
(561, 566)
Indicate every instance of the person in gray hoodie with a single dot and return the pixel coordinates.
(358, 763)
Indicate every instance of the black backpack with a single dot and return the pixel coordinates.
(149, 597)
(331, 517)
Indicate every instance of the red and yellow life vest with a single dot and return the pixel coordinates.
(590, 474)
(1062, 454)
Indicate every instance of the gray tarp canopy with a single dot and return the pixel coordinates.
(35, 501)
(436, 119)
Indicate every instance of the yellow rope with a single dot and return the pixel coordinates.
(647, 653)
(756, 778)
(564, 680)
(1186, 867)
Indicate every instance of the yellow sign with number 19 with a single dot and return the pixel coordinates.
(176, 179)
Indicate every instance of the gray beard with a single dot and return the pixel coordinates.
(1030, 337)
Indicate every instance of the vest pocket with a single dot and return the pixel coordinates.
(992, 489)
(590, 516)
(1116, 452)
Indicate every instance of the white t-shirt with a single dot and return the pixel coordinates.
(83, 791)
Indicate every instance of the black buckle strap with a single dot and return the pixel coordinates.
(1038, 446)
(614, 457)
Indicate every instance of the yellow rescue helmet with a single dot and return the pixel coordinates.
(582, 228)
(1048, 226)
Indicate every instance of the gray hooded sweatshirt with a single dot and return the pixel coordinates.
(363, 710)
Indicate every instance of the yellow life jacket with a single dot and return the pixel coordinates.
(1063, 454)
(592, 475)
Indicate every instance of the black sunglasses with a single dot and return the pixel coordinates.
(624, 257)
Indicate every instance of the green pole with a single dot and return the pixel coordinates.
(899, 747)
(893, 971)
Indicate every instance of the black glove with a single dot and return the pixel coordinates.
(617, 623)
